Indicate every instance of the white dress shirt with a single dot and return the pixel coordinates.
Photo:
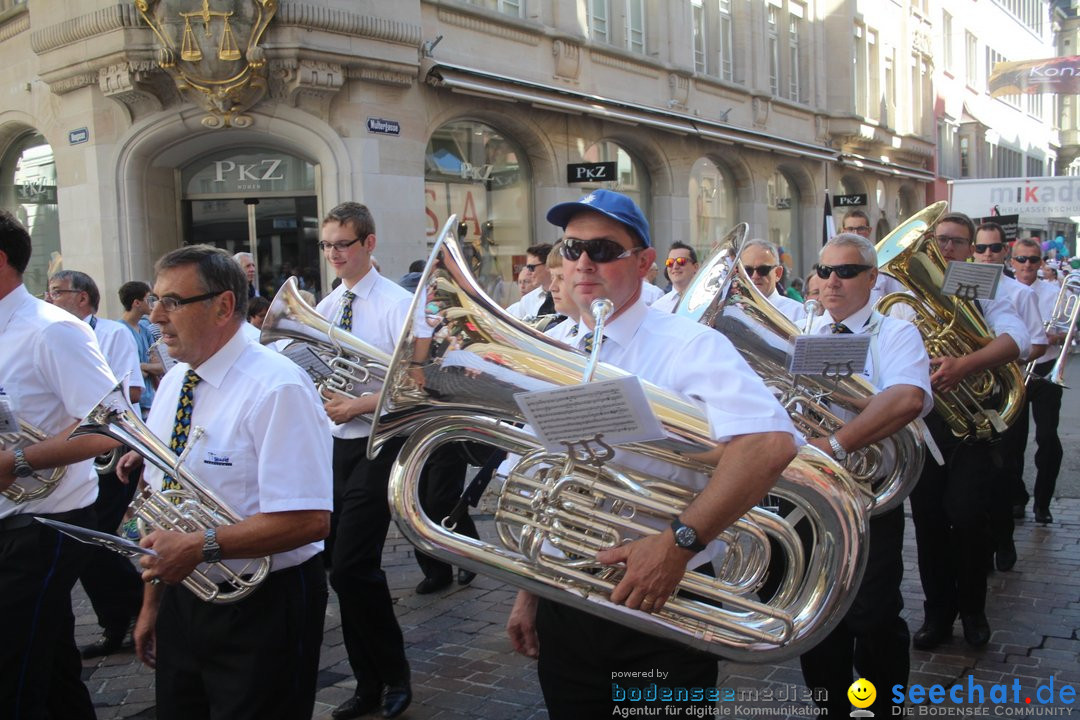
(1001, 316)
(566, 331)
(378, 317)
(1046, 293)
(668, 302)
(650, 293)
(791, 309)
(1026, 304)
(251, 333)
(52, 372)
(264, 448)
(121, 352)
(528, 307)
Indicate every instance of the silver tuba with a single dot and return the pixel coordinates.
(1063, 319)
(42, 482)
(723, 297)
(191, 508)
(556, 510)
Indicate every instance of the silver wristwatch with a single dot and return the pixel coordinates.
(838, 450)
(22, 468)
(211, 551)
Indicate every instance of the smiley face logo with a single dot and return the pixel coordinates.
(862, 693)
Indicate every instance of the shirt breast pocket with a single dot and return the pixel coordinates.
(230, 474)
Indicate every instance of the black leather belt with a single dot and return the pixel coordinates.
(25, 520)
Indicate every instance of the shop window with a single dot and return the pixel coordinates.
(712, 205)
(28, 191)
(783, 220)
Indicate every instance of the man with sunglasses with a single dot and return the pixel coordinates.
(608, 251)
(991, 248)
(536, 302)
(872, 637)
(373, 308)
(682, 266)
(1043, 397)
(761, 262)
(258, 415)
(950, 504)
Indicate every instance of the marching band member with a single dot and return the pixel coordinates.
(950, 504)
(260, 417)
(1044, 397)
(682, 266)
(761, 261)
(372, 308)
(607, 252)
(537, 301)
(567, 329)
(991, 249)
(872, 637)
(52, 372)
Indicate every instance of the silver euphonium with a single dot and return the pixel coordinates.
(557, 510)
(724, 297)
(1063, 319)
(41, 482)
(190, 508)
(356, 367)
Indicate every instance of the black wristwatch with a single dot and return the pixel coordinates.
(22, 468)
(211, 551)
(686, 536)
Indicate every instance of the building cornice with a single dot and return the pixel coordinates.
(83, 27)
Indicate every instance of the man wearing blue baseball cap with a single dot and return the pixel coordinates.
(607, 251)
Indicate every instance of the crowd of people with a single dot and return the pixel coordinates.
(290, 459)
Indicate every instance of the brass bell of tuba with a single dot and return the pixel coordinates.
(190, 508)
(556, 510)
(986, 402)
(724, 297)
(41, 482)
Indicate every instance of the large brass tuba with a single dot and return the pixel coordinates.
(191, 508)
(556, 510)
(723, 297)
(985, 402)
(42, 482)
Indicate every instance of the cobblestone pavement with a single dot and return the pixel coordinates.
(463, 667)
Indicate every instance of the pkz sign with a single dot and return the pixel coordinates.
(590, 172)
(849, 200)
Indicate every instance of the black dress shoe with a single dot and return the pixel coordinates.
(976, 629)
(931, 634)
(395, 699)
(429, 585)
(1006, 558)
(464, 577)
(356, 706)
(1043, 516)
(110, 642)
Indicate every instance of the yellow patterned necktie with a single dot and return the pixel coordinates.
(589, 342)
(182, 422)
(345, 323)
(840, 328)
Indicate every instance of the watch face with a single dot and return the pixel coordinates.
(685, 536)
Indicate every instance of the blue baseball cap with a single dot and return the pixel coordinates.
(615, 205)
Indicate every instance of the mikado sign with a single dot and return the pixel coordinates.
(1037, 197)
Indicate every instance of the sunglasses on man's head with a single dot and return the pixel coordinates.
(1025, 259)
(680, 261)
(761, 270)
(844, 272)
(992, 247)
(599, 250)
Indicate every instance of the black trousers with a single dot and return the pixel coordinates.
(951, 509)
(40, 667)
(257, 658)
(1006, 482)
(111, 581)
(872, 637)
(441, 483)
(371, 632)
(583, 658)
(1044, 399)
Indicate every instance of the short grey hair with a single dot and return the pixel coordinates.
(82, 282)
(241, 255)
(866, 249)
(763, 244)
(216, 270)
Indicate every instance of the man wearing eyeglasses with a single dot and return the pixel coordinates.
(1043, 397)
(607, 249)
(991, 248)
(261, 447)
(950, 504)
(682, 266)
(52, 372)
(761, 262)
(372, 308)
(872, 637)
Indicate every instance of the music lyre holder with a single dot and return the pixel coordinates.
(967, 291)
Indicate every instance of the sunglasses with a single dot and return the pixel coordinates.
(762, 270)
(599, 250)
(680, 261)
(531, 267)
(1025, 259)
(844, 272)
(992, 247)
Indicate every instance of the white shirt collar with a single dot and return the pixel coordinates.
(622, 329)
(218, 365)
(854, 322)
(10, 303)
(364, 285)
